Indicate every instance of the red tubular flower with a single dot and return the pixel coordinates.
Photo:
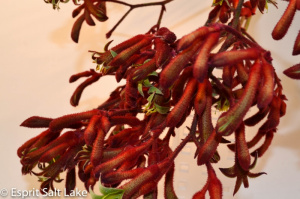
(274, 115)
(213, 185)
(90, 132)
(169, 191)
(229, 121)
(234, 57)
(69, 137)
(200, 67)
(126, 54)
(70, 180)
(293, 72)
(296, 49)
(174, 117)
(77, 93)
(199, 34)
(163, 52)
(116, 177)
(242, 150)
(166, 35)
(106, 57)
(200, 98)
(130, 153)
(266, 92)
(67, 120)
(257, 117)
(36, 122)
(208, 148)
(54, 152)
(242, 73)
(37, 142)
(180, 83)
(97, 151)
(141, 72)
(285, 21)
(122, 141)
(171, 72)
(224, 13)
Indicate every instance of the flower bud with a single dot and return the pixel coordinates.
(172, 71)
(285, 21)
(200, 67)
(36, 122)
(180, 108)
(234, 57)
(293, 72)
(266, 91)
(296, 49)
(230, 120)
(67, 120)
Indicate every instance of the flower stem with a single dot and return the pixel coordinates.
(133, 6)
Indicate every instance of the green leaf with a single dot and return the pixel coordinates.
(150, 111)
(154, 90)
(162, 109)
(108, 193)
(147, 60)
(33, 149)
(113, 53)
(147, 83)
(140, 89)
(150, 98)
(95, 196)
(154, 73)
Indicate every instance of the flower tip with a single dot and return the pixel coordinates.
(293, 72)
(36, 122)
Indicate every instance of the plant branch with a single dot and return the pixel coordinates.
(235, 25)
(118, 23)
(133, 6)
(163, 9)
(186, 139)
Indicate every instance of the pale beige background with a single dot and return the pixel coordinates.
(37, 57)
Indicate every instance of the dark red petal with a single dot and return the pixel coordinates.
(70, 181)
(293, 72)
(200, 67)
(37, 122)
(77, 27)
(77, 93)
(67, 120)
(208, 149)
(296, 49)
(285, 21)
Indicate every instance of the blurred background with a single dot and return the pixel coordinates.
(37, 57)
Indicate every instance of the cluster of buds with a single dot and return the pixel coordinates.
(124, 142)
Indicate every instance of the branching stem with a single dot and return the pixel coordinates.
(133, 6)
(235, 25)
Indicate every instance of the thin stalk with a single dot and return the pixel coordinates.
(186, 139)
(235, 25)
(132, 7)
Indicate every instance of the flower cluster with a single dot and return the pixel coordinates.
(125, 141)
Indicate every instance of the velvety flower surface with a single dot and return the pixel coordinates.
(125, 142)
(165, 81)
